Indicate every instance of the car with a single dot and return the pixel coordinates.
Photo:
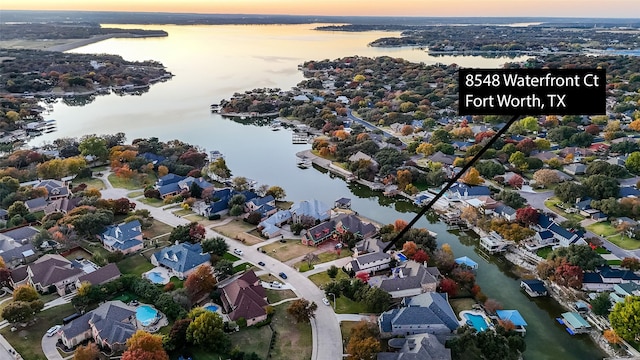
(276, 284)
(260, 263)
(238, 252)
(53, 330)
(283, 275)
(326, 301)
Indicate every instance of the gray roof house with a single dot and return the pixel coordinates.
(56, 189)
(411, 279)
(311, 208)
(37, 204)
(125, 237)
(416, 347)
(53, 270)
(181, 259)
(18, 255)
(369, 263)
(100, 276)
(110, 325)
(575, 169)
(22, 235)
(425, 313)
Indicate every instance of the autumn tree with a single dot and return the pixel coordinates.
(425, 149)
(630, 263)
(409, 249)
(569, 275)
(277, 192)
(420, 256)
(360, 349)
(546, 177)
(403, 178)
(611, 336)
(472, 177)
(448, 286)
(200, 281)
(207, 330)
(470, 215)
(624, 318)
(88, 352)
(302, 310)
(516, 181)
(25, 293)
(399, 224)
(145, 346)
(491, 305)
(527, 216)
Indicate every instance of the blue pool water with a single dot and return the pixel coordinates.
(212, 308)
(146, 315)
(156, 277)
(477, 322)
(402, 257)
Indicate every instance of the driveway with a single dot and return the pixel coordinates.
(49, 347)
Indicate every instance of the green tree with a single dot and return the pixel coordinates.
(94, 146)
(277, 192)
(236, 210)
(569, 191)
(332, 271)
(633, 162)
(216, 245)
(601, 186)
(518, 160)
(624, 318)
(302, 310)
(601, 304)
(21, 311)
(18, 208)
(207, 330)
(530, 124)
(376, 300)
(511, 198)
(580, 255)
(26, 293)
(224, 268)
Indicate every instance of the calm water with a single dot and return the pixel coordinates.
(211, 63)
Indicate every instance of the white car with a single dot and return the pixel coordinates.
(238, 252)
(53, 330)
(326, 301)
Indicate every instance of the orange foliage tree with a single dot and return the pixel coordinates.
(145, 346)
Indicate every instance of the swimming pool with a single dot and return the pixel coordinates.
(212, 308)
(157, 277)
(477, 321)
(146, 315)
(402, 257)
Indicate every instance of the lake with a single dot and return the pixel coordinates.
(212, 62)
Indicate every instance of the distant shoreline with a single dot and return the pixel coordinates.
(76, 43)
(62, 45)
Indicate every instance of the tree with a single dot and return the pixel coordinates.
(18, 208)
(489, 169)
(569, 191)
(277, 192)
(630, 263)
(425, 149)
(530, 124)
(240, 183)
(601, 304)
(178, 334)
(516, 181)
(94, 146)
(201, 280)
(580, 255)
(633, 162)
(517, 159)
(216, 245)
(207, 330)
(332, 271)
(611, 336)
(399, 225)
(409, 248)
(511, 198)
(219, 169)
(472, 177)
(449, 286)
(601, 186)
(302, 310)
(470, 215)
(21, 311)
(527, 216)
(88, 352)
(361, 349)
(624, 318)
(491, 305)
(421, 256)
(144, 346)
(26, 293)
(569, 275)
(546, 177)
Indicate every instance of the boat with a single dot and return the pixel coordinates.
(297, 138)
(304, 163)
(276, 126)
(215, 108)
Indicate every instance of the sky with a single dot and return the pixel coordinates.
(435, 8)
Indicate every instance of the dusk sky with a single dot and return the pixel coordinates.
(525, 8)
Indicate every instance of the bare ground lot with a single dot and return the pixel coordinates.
(288, 250)
(238, 229)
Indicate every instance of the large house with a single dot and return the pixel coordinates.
(413, 347)
(51, 272)
(181, 259)
(425, 313)
(272, 226)
(337, 226)
(19, 255)
(245, 298)
(110, 326)
(460, 191)
(411, 279)
(370, 263)
(315, 209)
(56, 189)
(100, 276)
(125, 237)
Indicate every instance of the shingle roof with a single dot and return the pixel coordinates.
(22, 233)
(427, 308)
(15, 253)
(36, 203)
(169, 189)
(262, 200)
(535, 285)
(54, 187)
(102, 275)
(314, 208)
(244, 297)
(51, 269)
(123, 236)
(169, 179)
(182, 257)
(109, 319)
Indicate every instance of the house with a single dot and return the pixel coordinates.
(628, 191)
(169, 179)
(419, 346)
(592, 281)
(442, 158)
(19, 235)
(255, 203)
(245, 298)
(544, 237)
(410, 279)
(617, 276)
(534, 287)
(181, 259)
(505, 211)
(35, 205)
(565, 237)
(621, 291)
(110, 326)
(51, 273)
(56, 189)
(563, 176)
(342, 203)
(20, 255)
(369, 263)
(545, 156)
(271, 227)
(425, 313)
(575, 323)
(337, 226)
(153, 158)
(100, 276)
(362, 156)
(186, 183)
(461, 191)
(315, 209)
(575, 169)
(63, 205)
(125, 237)
(494, 243)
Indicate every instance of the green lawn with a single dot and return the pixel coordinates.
(544, 252)
(135, 194)
(609, 231)
(461, 304)
(27, 340)
(293, 340)
(158, 228)
(348, 306)
(152, 202)
(177, 282)
(131, 184)
(229, 256)
(552, 203)
(602, 228)
(601, 250)
(274, 296)
(321, 279)
(253, 339)
(134, 264)
(614, 262)
(241, 267)
(183, 212)
(91, 183)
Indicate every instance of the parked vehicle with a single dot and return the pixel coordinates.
(326, 301)
(283, 275)
(238, 252)
(53, 330)
(260, 263)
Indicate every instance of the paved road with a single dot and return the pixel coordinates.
(325, 327)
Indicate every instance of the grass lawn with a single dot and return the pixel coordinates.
(625, 242)
(348, 306)
(229, 256)
(601, 250)
(91, 183)
(158, 228)
(233, 228)
(252, 339)
(128, 184)
(183, 212)
(321, 279)
(461, 304)
(200, 220)
(177, 282)
(27, 340)
(135, 194)
(152, 202)
(241, 267)
(544, 252)
(199, 354)
(552, 204)
(614, 262)
(273, 296)
(602, 228)
(293, 340)
(609, 231)
(288, 250)
(134, 264)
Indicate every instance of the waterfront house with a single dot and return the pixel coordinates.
(425, 313)
(181, 259)
(575, 323)
(461, 191)
(255, 203)
(419, 346)
(369, 245)
(592, 281)
(245, 298)
(169, 179)
(272, 226)
(100, 276)
(110, 326)
(544, 237)
(515, 318)
(369, 263)
(410, 279)
(617, 276)
(334, 228)
(362, 156)
(564, 236)
(342, 203)
(621, 291)
(125, 237)
(314, 209)
(505, 211)
(534, 287)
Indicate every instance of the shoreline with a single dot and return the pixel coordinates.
(62, 45)
(76, 43)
